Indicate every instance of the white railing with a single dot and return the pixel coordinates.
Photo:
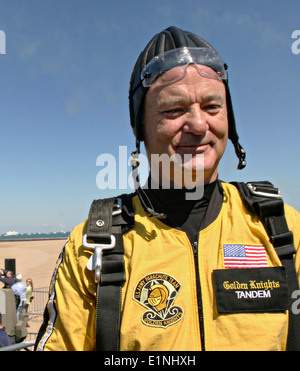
(40, 298)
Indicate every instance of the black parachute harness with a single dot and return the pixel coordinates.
(110, 218)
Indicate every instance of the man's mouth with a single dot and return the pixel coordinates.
(192, 148)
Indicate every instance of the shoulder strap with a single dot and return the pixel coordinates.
(265, 201)
(108, 220)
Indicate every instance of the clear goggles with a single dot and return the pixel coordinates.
(208, 63)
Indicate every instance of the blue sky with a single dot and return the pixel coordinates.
(64, 95)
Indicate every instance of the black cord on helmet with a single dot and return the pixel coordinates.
(135, 162)
(241, 154)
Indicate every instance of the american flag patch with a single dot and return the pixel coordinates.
(245, 256)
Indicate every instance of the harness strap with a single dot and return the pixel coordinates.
(106, 220)
(265, 201)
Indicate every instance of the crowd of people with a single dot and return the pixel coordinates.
(23, 294)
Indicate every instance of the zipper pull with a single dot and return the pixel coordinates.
(195, 247)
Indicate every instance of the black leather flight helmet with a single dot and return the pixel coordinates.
(172, 38)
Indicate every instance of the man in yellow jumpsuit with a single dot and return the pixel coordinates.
(201, 271)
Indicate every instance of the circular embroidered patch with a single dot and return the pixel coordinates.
(157, 293)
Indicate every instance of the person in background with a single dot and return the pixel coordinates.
(28, 296)
(7, 277)
(19, 289)
(4, 339)
(29, 291)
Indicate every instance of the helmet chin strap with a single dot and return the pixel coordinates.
(135, 162)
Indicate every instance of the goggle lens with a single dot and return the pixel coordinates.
(171, 66)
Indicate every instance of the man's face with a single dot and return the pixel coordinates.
(188, 117)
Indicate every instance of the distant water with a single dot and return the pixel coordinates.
(33, 236)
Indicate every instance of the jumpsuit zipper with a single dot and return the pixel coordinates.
(199, 295)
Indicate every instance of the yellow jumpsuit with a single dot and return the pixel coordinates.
(160, 298)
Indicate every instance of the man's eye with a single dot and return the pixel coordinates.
(212, 108)
(174, 111)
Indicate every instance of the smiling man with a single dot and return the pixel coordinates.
(188, 117)
(159, 271)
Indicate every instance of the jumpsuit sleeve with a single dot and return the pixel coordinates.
(69, 317)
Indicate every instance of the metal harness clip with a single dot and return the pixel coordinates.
(117, 208)
(95, 261)
(261, 190)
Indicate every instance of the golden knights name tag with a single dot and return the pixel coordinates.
(251, 290)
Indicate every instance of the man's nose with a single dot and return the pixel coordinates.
(195, 121)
